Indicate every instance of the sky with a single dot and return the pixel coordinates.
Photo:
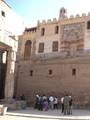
(33, 10)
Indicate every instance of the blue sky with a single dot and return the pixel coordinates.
(33, 10)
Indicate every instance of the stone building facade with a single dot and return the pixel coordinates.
(54, 58)
(9, 30)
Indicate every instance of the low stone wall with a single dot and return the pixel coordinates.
(16, 105)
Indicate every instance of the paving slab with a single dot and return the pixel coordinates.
(50, 114)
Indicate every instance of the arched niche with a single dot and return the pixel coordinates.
(27, 50)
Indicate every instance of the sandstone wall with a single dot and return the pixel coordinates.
(59, 82)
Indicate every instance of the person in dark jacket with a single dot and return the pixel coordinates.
(70, 105)
(66, 104)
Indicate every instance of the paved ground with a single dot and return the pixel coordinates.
(32, 114)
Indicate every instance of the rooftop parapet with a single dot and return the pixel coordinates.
(33, 29)
(38, 22)
(77, 15)
(88, 13)
(65, 18)
(43, 21)
(83, 14)
(54, 20)
(71, 16)
(49, 21)
(46, 22)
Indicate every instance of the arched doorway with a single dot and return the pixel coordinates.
(27, 51)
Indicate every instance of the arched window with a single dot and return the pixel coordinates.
(73, 71)
(56, 30)
(27, 50)
(88, 25)
(42, 31)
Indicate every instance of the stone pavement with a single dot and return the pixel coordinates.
(32, 114)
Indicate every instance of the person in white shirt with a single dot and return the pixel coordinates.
(55, 103)
(62, 105)
(51, 102)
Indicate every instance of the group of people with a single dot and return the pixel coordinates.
(66, 105)
(51, 102)
(45, 103)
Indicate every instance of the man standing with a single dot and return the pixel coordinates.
(66, 104)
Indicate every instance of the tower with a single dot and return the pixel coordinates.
(62, 13)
